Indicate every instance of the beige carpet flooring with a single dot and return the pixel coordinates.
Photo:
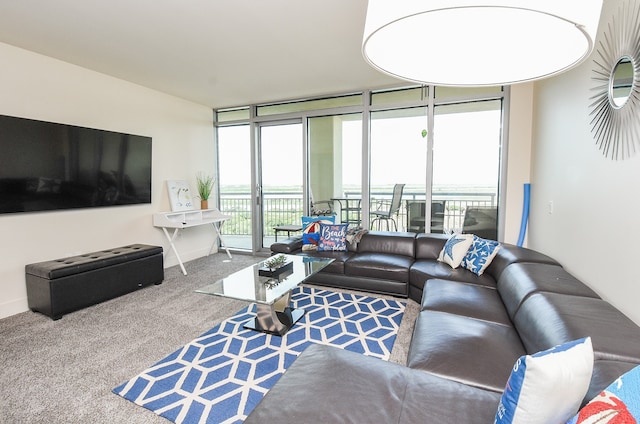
(63, 371)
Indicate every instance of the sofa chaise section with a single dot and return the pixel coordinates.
(329, 385)
(468, 350)
(380, 264)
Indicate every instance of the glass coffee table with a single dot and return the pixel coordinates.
(271, 294)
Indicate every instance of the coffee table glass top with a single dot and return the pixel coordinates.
(248, 285)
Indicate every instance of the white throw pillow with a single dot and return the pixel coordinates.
(547, 387)
(455, 249)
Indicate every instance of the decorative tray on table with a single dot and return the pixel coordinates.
(275, 266)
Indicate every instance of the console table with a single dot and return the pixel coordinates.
(185, 219)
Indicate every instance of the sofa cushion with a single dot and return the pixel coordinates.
(388, 242)
(455, 249)
(509, 254)
(520, 280)
(379, 265)
(330, 385)
(547, 387)
(545, 320)
(464, 299)
(429, 246)
(426, 269)
(468, 350)
(354, 282)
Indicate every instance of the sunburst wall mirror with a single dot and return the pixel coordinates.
(615, 107)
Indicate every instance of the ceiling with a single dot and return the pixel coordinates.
(218, 53)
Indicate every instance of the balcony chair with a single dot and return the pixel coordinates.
(349, 210)
(416, 221)
(481, 221)
(388, 214)
(321, 207)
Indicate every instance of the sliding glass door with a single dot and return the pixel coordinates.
(466, 165)
(398, 158)
(275, 199)
(280, 179)
(234, 179)
(335, 165)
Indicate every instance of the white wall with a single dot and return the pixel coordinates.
(38, 87)
(596, 200)
(519, 159)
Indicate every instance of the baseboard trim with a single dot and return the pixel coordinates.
(186, 256)
(13, 307)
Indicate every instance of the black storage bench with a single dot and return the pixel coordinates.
(60, 286)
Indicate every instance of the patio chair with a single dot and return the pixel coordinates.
(387, 215)
(481, 221)
(320, 207)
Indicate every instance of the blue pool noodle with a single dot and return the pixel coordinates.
(525, 213)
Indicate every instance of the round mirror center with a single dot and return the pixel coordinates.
(621, 82)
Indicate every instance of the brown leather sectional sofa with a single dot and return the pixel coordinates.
(469, 333)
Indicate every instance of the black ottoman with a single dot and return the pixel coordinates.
(60, 286)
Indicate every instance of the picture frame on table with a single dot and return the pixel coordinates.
(180, 195)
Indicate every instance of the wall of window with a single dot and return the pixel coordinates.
(445, 145)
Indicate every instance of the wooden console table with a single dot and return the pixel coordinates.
(185, 219)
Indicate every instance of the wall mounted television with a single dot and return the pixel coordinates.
(47, 166)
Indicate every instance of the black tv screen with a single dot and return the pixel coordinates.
(48, 166)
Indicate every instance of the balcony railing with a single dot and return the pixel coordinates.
(287, 208)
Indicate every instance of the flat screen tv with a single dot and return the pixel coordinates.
(47, 166)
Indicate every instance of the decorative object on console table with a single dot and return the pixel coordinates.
(179, 195)
(205, 187)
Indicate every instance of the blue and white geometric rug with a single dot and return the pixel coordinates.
(223, 374)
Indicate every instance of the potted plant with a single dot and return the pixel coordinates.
(205, 187)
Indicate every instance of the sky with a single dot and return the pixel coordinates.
(466, 151)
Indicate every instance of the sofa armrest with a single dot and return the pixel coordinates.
(292, 245)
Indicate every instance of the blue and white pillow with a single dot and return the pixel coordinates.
(455, 249)
(311, 230)
(547, 387)
(480, 255)
(618, 403)
(333, 237)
